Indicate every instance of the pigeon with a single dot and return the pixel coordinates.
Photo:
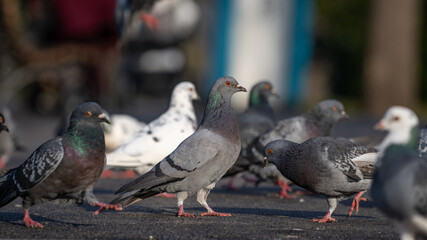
(63, 169)
(161, 136)
(122, 128)
(317, 122)
(197, 164)
(422, 144)
(334, 167)
(253, 122)
(399, 187)
(8, 140)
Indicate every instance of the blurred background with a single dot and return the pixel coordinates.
(129, 54)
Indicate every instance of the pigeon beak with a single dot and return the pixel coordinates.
(4, 127)
(344, 114)
(241, 89)
(103, 117)
(265, 162)
(380, 125)
(274, 93)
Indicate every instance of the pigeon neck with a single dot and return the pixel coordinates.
(182, 105)
(323, 127)
(220, 116)
(401, 137)
(85, 137)
(260, 103)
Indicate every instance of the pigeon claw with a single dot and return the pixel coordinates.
(105, 206)
(184, 214)
(216, 214)
(326, 219)
(356, 201)
(30, 222)
(284, 192)
(166, 195)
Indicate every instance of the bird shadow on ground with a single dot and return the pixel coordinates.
(17, 220)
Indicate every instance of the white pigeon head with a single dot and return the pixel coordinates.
(399, 122)
(184, 91)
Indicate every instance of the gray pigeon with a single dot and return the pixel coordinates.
(63, 169)
(399, 188)
(317, 122)
(253, 122)
(334, 167)
(197, 164)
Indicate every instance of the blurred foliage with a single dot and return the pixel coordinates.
(340, 39)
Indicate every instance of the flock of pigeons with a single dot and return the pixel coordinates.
(174, 155)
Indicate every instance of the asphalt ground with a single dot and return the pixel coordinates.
(256, 212)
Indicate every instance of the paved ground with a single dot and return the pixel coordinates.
(257, 212)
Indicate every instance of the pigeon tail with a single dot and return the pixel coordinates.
(7, 192)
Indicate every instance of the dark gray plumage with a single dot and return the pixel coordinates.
(8, 140)
(399, 187)
(253, 122)
(422, 145)
(199, 161)
(325, 165)
(63, 169)
(317, 122)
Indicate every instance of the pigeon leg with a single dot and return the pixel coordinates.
(285, 188)
(104, 206)
(356, 201)
(2, 163)
(166, 195)
(202, 195)
(181, 196)
(30, 222)
(106, 173)
(332, 202)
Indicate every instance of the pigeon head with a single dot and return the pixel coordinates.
(330, 111)
(184, 90)
(401, 124)
(260, 93)
(3, 125)
(275, 150)
(89, 112)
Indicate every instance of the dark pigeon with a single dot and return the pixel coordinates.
(334, 167)
(399, 188)
(8, 140)
(197, 164)
(3, 125)
(253, 122)
(317, 122)
(63, 169)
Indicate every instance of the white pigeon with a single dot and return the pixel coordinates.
(122, 128)
(161, 136)
(398, 121)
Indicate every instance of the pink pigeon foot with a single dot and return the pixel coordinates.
(30, 222)
(181, 213)
(2, 163)
(356, 201)
(104, 206)
(284, 192)
(166, 195)
(326, 219)
(151, 21)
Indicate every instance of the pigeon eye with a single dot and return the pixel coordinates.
(396, 118)
(88, 114)
(270, 151)
(1, 119)
(267, 87)
(335, 109)
(191, 89)
(228, 83)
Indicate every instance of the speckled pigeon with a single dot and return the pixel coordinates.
(122, 128)
(253, 122)
(197, 164)
(161, 136)
(317, 122)
(399, 188)
(63, 169)
(334, 167)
